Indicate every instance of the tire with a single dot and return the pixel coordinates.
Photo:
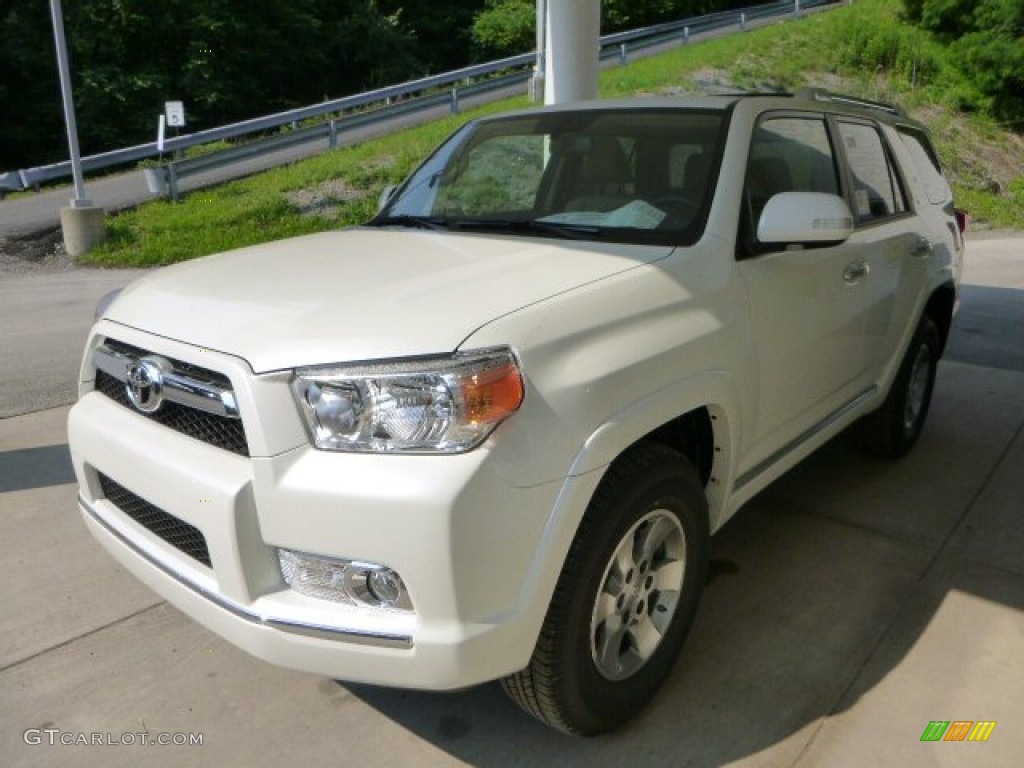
(625, 599)
(892, 430)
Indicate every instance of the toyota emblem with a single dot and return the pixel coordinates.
(145, 384)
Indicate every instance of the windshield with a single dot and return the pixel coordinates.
(630, 175)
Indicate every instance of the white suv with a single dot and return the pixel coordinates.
(488, 435)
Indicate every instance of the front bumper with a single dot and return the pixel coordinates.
(469, 546)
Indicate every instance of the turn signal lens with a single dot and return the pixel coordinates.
(493, 395)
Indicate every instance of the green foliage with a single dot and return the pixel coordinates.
(626, 14)
(986, 39)
(505, 27)
(228, 60)
(29, 86)
(441, 31)
(988, 210)
(259, 208)
(822, 49)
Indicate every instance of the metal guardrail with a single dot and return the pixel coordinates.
(391, 100)
(31, 177)
(164, 179)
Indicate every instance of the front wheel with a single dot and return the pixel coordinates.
(893, 429)
(626, 597)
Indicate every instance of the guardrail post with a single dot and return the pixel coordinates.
(743, 21)
(455, 101)
(796, 7)
(172, 182)
(332, 135)
(622, 55)
(686, 35)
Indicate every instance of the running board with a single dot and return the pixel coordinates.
(817, 429)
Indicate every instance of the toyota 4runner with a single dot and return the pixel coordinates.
(488, 435)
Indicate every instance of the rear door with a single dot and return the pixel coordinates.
(889, 239)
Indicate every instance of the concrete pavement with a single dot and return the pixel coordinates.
(852, 603)
(46, 316)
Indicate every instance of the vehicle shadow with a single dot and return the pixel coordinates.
(820, 588)
(28, 468)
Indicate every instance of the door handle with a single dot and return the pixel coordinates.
(855, 271)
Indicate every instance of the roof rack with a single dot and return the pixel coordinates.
(820, 94)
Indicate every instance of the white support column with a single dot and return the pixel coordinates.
(537, 81)
(573, 31)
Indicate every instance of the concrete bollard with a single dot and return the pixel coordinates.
(84, 227)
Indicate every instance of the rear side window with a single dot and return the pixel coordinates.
(877, 193)
(926, 162)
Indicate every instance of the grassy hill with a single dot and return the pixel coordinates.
(862, 49)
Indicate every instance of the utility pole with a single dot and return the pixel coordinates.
(82, 222)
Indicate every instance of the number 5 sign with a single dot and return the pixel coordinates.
(175, 111)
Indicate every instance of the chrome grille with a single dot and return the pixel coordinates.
(220, 431)
(175, 532)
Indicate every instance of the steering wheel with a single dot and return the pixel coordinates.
(679, 209)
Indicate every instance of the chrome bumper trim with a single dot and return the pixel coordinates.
(359, 637)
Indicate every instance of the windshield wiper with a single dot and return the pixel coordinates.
(567, 231)
(414, 222)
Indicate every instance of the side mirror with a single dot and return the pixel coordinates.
(385, 196)
(805, 218)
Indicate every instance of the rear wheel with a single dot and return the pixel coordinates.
(626, 597)
(893, 429)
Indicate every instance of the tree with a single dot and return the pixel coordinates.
(988, 37)
(29, 87)
(226, 59)
(442, 30)
(505, 28)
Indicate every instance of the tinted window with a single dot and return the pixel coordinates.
(643, 176)
(876, 189)
(936, 188)
(787, 154)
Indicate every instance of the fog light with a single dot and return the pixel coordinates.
(343, 581)
(385, 586)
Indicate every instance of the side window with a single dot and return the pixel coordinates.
(936, 188)
(787, 154)
(876, 189)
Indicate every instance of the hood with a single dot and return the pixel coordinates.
(361, 294)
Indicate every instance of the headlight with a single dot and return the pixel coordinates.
(435, 405)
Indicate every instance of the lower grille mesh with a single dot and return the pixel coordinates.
(175, 532)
